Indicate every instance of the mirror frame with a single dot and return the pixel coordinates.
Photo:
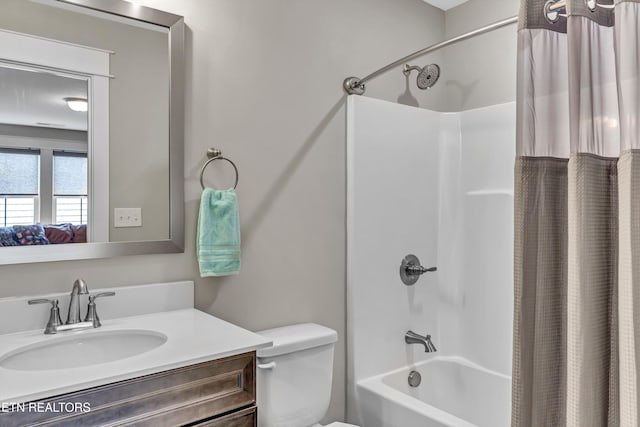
(175, 243)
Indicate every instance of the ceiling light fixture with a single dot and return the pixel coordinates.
(77, 104)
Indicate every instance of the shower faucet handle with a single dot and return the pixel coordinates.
(418, 270)
(411, 270)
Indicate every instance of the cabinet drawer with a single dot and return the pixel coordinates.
(171, 398)
(246, 418)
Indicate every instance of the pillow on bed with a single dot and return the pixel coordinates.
(28, 235)
(79, 233)
(6, 237)
(58, 233)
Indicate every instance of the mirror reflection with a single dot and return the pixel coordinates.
(84, 155)
(43, 157)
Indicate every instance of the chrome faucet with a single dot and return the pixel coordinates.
(79, 288)
(92, 320)
(412, 338)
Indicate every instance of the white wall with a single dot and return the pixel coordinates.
(264, 83)
(440, 186)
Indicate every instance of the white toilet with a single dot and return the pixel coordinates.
(294, 376)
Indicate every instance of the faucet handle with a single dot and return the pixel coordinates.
(53, 302)
(101, 294)
(92, 314)
(54, 317)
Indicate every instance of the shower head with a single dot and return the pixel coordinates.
(427, 75)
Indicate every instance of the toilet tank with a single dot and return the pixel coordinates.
(294, 375)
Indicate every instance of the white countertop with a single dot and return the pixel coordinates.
(193, 337)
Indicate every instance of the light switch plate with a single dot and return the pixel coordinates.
(127, 217)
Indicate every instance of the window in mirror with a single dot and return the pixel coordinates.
(24, 175)
(19, 186)
(70, 187)
(17, 211)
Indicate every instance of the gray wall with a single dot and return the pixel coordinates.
(264, 84)
(480, 71)
(138, 99)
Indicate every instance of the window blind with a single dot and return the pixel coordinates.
(69, 174)
(19, 172)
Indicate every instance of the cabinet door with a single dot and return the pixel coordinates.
(245, 418)
(165, 399)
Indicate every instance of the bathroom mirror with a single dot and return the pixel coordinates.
(91, 130)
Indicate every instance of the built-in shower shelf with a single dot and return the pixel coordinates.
(490, 193)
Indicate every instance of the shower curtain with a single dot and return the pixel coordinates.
(577, 216)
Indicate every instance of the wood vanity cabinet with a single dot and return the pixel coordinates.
(219, 393)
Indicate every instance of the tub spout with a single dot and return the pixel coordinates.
(412, 338)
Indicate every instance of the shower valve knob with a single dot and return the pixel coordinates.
(411, 270)
(416, 270)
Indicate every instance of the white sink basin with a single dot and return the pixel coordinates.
(36, 366)
(82, 349)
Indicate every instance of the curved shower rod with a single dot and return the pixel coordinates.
(356, 86)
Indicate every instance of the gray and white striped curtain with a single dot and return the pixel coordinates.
(577, 217)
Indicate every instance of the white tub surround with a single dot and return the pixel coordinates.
(446, 182)
(192, 337)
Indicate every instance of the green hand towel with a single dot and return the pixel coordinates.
(218, 240)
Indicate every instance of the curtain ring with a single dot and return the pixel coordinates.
(553, 15)
(593, 5)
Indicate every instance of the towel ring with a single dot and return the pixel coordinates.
(215, 154)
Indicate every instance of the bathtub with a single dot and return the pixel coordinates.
(454, 392)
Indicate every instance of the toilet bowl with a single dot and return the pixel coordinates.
(295, 375)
